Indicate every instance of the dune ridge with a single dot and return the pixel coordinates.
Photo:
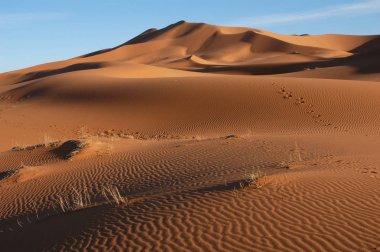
(210, 48)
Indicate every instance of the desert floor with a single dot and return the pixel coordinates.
(195, 138)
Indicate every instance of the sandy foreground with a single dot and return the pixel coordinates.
(195, 138)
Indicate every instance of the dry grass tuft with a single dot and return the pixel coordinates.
(255, 179)
(81, 198)
(112, 195)
(47, 141)
(78, 200)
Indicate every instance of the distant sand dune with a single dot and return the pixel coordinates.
(228, 46)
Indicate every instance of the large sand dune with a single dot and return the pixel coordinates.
(221, 138)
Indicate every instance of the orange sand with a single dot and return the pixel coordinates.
(177, 119)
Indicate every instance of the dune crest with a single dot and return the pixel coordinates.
(229, 49)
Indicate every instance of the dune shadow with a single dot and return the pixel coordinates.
(228, 186)
(371, 47)
(45, 73)
(6, 174)
(365, 60)
(55, 230)
(366, 63)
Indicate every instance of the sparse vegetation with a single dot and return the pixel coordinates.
(255, 178)
(92, 140)
(83, 132)
(78, 200)
(19, 147)
(284, 165)
(81, 198)
(112, 195)
(47, 141)
(295, 156)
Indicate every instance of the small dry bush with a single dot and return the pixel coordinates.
(284, 164)
(255, 179)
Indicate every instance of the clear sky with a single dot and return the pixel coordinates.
(40, 31)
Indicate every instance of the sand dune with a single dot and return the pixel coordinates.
(221, 139)
(203, 47)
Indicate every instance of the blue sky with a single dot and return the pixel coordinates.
(40, 31)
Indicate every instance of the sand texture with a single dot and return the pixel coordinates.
(195, 137)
